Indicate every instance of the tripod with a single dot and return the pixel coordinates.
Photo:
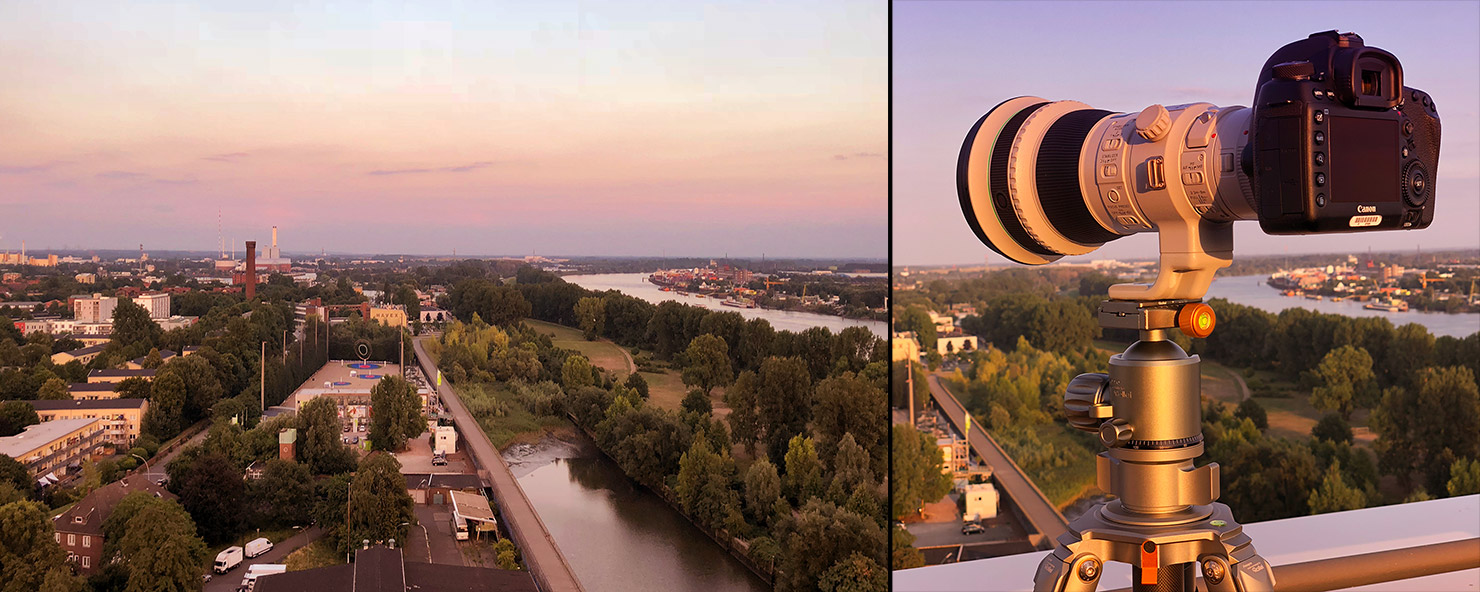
(1164, 521)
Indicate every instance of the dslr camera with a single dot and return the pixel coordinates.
(1334, 143)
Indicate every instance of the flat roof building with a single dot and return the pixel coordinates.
(383, 569)
(93, 390)
(84, 355)
(122, 418)
(119, 374)
(54, 447)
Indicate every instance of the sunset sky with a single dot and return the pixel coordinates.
(953, 61)
(555, 128)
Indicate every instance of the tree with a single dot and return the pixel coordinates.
(29, 554)
(318, 438)
(161, 550)
(15, 416)
(54, 390)
(1464, 477)
(576, 373)
(783, 402)
(507, 553)
(819, 537)
(213, 492)
(638, 384)
(1335, 495)
(133, 388)
(395, 414)
(850, 470)
(1416, 425)
(916, 474)
(116, 525)
(903, 554)
(1332, 428)
(591, 316)
(497, 305)
(704, 485)
(744, 414)
(707, 363)
(1252, 410)
(697, 401)
(284, 494)
(917, 319)
(202, 385)
(166, 402)
(857, 573)
(329, 511)
(379, 503)
(762, 489)
(1345, 375)
(844, 405)
(132, 325)
(803, 479)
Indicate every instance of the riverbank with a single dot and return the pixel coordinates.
(1254, 290)
(636, 285)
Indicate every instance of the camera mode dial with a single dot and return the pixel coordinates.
(1153, 123)
(1294, 70)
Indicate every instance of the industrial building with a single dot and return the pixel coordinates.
(52, 449)
(122, 418)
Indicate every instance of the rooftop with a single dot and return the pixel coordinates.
(472, 506)
(1281, 542)
(447, 480)
(41, 434)
(338, 377)
(92, 386)
(88, 514)
(83, 351)
(382, 569)
(123, 371)
(49, 405)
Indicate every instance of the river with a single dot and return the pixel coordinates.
(617, 535)
(1251, 290)
(636, 284)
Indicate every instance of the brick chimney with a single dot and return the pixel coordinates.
(251, 269)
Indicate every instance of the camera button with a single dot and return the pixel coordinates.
(1321, 158)
(1320, 117)
(1405, 152)
(1113, 195)
(1111, 144)
(1320, 179)
(1407, 128)
(1109, 171)
(1320, 200)
(1320, 137)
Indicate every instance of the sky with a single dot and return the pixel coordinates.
(953, 61)
(493, 128)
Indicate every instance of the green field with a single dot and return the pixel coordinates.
(603, 354)
(313, 555)
(502, 418)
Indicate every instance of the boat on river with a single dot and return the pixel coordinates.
(1389, 306)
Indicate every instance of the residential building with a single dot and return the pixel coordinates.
(950, 344)
(119, 374)
(390, 316)
(86, 278)
(904, 347)
(122, 418)
(83, 355)
(55, 447)
(385, 569)
(79, 530)
(93, 390)
(97, 309)
(138, 363)
(944, 324)
(156, 304)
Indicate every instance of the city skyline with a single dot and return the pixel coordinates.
(556, 129)
(951, 65)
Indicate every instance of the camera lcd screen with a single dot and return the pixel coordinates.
(1364, 159)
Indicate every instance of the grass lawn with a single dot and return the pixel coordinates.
(665, 390)
(1290, 418)
(604, 354)
(502, 418)
(314, 555)
(1219, 383)
(1066, 484)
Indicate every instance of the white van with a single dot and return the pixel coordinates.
(258, 547)
(228, 559)
(259, 570)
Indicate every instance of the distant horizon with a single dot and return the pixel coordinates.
(262, 248)
(423, 128)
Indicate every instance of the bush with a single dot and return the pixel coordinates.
(1332, 428)
(1253, 411)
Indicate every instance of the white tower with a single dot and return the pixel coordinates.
(273, 252)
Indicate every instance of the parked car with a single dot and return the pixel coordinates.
(972, 528)
(258, 547)
(228, 559)
(439, 460)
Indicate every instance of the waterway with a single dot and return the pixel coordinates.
(1251, 290)
(636, 284)
(616, 535)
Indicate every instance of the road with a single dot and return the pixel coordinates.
(157, 467)
(229, 581)
(551, 571)
(1041, 514)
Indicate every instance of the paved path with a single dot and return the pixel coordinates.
(551, 571)
(1042, 515)
(229, 581)
(157, 466)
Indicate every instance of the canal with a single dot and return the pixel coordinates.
(636, 284)
(1251, 290)
(616, 535)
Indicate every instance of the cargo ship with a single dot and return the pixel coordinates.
(1389, 306)
(739, 303)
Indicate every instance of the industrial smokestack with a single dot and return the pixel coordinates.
(251, 269)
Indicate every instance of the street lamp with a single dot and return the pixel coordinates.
(146, 463)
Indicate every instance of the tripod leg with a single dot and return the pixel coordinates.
(1251, 574)
(1079, 574)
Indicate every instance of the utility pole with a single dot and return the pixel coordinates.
(403, 352)
(262, 380)
(347, 541)
(909, 385)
